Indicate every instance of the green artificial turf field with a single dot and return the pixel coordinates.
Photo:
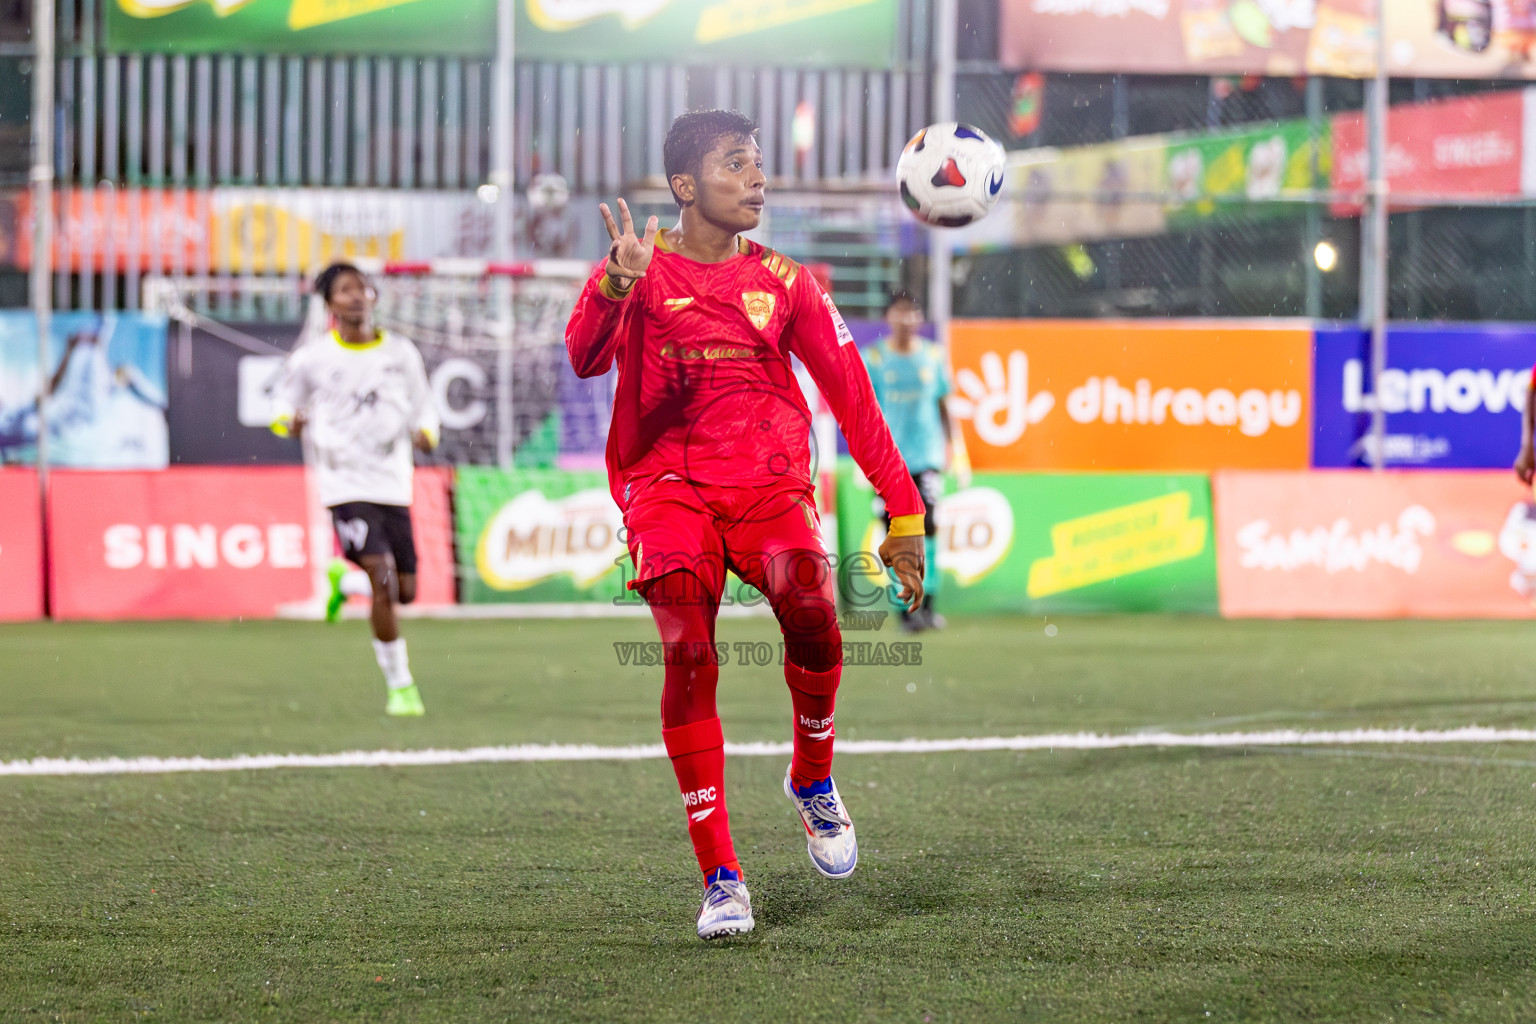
(1381, 883)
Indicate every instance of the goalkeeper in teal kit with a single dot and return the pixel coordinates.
(910, 375)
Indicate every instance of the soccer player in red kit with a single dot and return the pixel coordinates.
(709, 459)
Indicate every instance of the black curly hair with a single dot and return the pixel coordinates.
(694, 134)
(325, 283)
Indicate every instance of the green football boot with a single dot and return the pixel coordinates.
(333, 604)
(405, 703)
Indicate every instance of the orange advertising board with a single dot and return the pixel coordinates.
(112, 229)
(1132, 395)
(1354, 544)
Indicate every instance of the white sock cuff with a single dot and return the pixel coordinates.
(398, 675)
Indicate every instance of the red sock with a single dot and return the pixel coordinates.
(813, 695)
(697, 751)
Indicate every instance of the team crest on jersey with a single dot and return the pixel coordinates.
(759, 307)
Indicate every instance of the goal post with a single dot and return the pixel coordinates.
(492, 337)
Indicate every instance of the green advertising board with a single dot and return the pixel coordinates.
(1242, 173)
(538, 536)
(548, 536)
(1057, 542)
(832, 33)
(428, 27)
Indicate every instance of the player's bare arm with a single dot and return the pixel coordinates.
(1525, 462)
(629, 255)
(905, 555)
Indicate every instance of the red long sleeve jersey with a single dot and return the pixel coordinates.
(705, 388)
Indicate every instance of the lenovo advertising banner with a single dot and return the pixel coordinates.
(826, 33)
(1191, 37)
(1468, 145)
(1376, 545)
(1132, 395)
(1453, 396)
(436, 27)
(539, 536)
(21, 546)
(1052, 543)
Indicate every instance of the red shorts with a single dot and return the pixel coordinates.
(707, 529)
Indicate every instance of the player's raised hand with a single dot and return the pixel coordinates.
(905, 555)
(630, 254)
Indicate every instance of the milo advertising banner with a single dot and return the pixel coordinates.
(1053, 543)
(1233, 173)
(447, 27)
(538, 536)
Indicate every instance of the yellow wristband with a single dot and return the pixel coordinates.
(282, 427)
(907, 526)
(613, 291)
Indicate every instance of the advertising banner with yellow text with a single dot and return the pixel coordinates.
(246, 230)
(1347, 544)
(1132, 395)
(1050, 543)
(830, 33)
(437, 27)
(539, 536)
(1081, 194)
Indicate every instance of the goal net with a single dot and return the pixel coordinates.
(492, 337)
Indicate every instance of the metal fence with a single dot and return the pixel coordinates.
(137, 134)
(131, 128)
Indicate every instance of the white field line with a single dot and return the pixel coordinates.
(654, 751)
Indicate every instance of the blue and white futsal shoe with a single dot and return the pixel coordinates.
(830, 840)
(727, 908)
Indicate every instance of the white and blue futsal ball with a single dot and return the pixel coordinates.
(950, 174)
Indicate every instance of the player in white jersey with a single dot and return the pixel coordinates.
(361, 395)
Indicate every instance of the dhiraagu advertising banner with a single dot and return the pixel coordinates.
(1044, 543)
(437, 27)
(538, 536)
(829, 33)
